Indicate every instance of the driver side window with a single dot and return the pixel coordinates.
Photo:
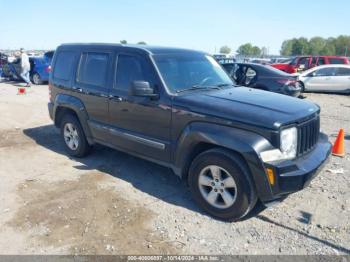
(131, 68)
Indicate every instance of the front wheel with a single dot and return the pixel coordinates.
(302, 86)
(220, 183)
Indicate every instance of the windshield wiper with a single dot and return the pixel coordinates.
(224, 85)
(197, 87)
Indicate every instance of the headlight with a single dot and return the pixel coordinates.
(289, 142)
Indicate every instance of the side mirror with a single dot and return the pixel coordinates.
(312, 74)
(142, 88)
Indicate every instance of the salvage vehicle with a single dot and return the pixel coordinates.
(3, 59)
(302, 63)
(236, 147)
(263, 77)
(326, 78)
(40, 67)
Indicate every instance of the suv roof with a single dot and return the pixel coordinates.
(328, 56)
(149, 49)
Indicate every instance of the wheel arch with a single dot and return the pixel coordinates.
(199, 137)
(65, 104)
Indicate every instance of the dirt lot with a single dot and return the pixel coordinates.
(113, 203)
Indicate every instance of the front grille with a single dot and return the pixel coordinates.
(308, 134)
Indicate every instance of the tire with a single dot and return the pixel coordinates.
(302, 87)
(36, 79)
(232, 167)
(73, 136)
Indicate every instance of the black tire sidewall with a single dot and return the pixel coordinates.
(246, 197)
(83, 145)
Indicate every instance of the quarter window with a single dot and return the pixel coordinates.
(93, 69)
(63, 65)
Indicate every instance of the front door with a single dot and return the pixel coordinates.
(342, 79)
(320, 80)
(139, 124)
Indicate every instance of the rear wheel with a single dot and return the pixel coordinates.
(36, 79)
(220, 183)
(73, 136)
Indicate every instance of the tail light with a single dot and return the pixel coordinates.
(48, 69)
(287, 82)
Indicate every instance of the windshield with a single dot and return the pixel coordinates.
(294, 61)
(185, 71)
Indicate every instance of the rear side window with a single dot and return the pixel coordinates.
(336, 61)
(321, 61)
(341, 71)
(228, 68)
(131, 68)
(93, 69)
(63, 66)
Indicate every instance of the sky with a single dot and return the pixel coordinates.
(197, 24)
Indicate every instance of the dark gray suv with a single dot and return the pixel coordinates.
(235, 146)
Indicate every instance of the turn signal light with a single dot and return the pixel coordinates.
(270, 176)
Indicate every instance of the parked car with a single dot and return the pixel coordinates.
(326, 78)
(3, 59)
(263, 77)
(40, 67)
(234, 145)
(12, 69)
(39, 70)
(302, 63)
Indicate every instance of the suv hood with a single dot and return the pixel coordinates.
(249, 106)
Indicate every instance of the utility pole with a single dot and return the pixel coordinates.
(346, 51)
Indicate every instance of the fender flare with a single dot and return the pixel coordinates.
(245, 143)
(76, 105)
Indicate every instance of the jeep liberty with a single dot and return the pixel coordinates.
(235, 146)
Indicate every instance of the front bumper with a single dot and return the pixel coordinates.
(294, 175)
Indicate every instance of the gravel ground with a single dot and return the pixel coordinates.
(113, 203)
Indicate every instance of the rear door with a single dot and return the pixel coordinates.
(92, 82)
(342, 79)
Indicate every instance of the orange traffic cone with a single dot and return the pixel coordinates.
(338, 148)
(21, 91)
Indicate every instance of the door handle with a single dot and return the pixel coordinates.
(78, 89)
(117, 98)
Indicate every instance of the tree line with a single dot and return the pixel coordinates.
(317, 46)
(246, 50)
(299, 46)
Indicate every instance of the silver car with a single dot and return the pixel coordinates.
(326, 78)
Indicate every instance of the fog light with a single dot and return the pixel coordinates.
(270, 176)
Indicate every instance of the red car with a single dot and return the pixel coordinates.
(301, 63)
